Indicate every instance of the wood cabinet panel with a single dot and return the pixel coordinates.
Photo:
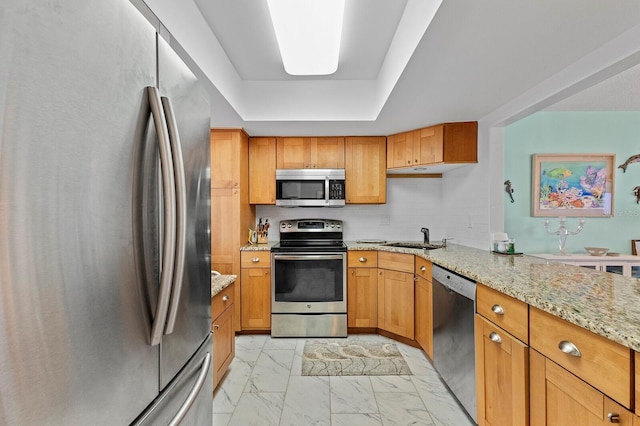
(365, 170)
(262, 170)
(510, 314)
(424, 315)
(255, 299)
(229, 157)
(362, 259)
(310, 153)
(362, 297)
(396, 303)
(604, 364)
(221, 301)
(396, 261)
(558, 397)
(400, 150)
(255, 259)
(502, 376)
(423, 268)
(224, 347)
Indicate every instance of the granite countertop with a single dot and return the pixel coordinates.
(604, 303)
(220, 282)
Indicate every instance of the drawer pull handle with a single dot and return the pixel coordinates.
(423, 268)
(613, 417)
(569, 348)
(497, 309)
(255, 259)
(363, 259)
(495, 337)
(225, 298)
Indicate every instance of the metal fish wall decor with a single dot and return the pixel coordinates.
(630, 160)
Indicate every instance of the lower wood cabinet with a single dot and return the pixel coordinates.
(560, 398)
(222, 326)
(255, 291)
(502, 376)
(396, 303)
(424, 315)
(362, 297)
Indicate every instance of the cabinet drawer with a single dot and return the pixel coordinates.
(423, 268)
(603, 364)
(222, 301)
(362, 259)
(510, 314)
(255, 259)
(395, 261)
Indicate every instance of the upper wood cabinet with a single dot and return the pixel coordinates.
(365, 160)
(310, 153)
(448, 143)
(229, 158)
(262, 170)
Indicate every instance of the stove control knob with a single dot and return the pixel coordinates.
(288, 225)
(332, 225)
(337, 226)
(283, 225)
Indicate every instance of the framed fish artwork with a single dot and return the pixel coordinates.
(573, 185)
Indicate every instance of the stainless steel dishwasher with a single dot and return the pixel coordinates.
(454, 299)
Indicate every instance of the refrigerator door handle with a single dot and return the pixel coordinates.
(168, 195)
(197, 387)
(181, 213)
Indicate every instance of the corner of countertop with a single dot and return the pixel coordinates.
(220, 282)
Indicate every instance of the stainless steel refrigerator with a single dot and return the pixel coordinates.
(104, 220)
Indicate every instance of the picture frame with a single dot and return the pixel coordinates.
(635, 247)
(573, 185)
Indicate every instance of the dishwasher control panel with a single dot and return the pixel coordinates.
(454, 282)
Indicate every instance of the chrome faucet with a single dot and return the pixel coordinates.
(425, 231)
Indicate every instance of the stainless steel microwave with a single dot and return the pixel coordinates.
(310, 187)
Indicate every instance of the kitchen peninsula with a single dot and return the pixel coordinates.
(559, 308)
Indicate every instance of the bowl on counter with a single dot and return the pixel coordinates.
(596, 251)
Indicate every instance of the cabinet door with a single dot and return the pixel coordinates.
(255, 299)
(225, 229)
(362, 297)
(428, 146)
(293, 153)
(502, 375)
(424, 315)
(262, 170)
(400, 150)
(558, 397)
(396, 303)
(223, 343)
(226, 157)
(326, 153)
(366, 179)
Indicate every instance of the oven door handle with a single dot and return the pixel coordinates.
(308, 256)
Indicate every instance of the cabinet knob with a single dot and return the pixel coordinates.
(408, 161)
(569, 348)
(495, 337)
(613, 417)
(416, 161)
(225, 298)
(216, 327)
(362, 259)
(255, 259)
(497, 309)
(423, 268)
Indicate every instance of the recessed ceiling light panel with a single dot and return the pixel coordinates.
(308, 34)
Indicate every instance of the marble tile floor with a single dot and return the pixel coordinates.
(264, 387)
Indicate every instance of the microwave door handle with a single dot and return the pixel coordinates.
(326, 189)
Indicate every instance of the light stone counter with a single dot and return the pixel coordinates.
(604, 303)
(220, 282)
(259, 247)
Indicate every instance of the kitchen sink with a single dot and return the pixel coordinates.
(412, 245)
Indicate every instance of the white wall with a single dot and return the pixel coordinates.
(411, 204)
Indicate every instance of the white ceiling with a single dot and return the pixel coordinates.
(476, 58)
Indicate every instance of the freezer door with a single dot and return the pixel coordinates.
(189, 103)
(188, 398)
(74, 321)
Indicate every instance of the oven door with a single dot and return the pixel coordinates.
(309, 283)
